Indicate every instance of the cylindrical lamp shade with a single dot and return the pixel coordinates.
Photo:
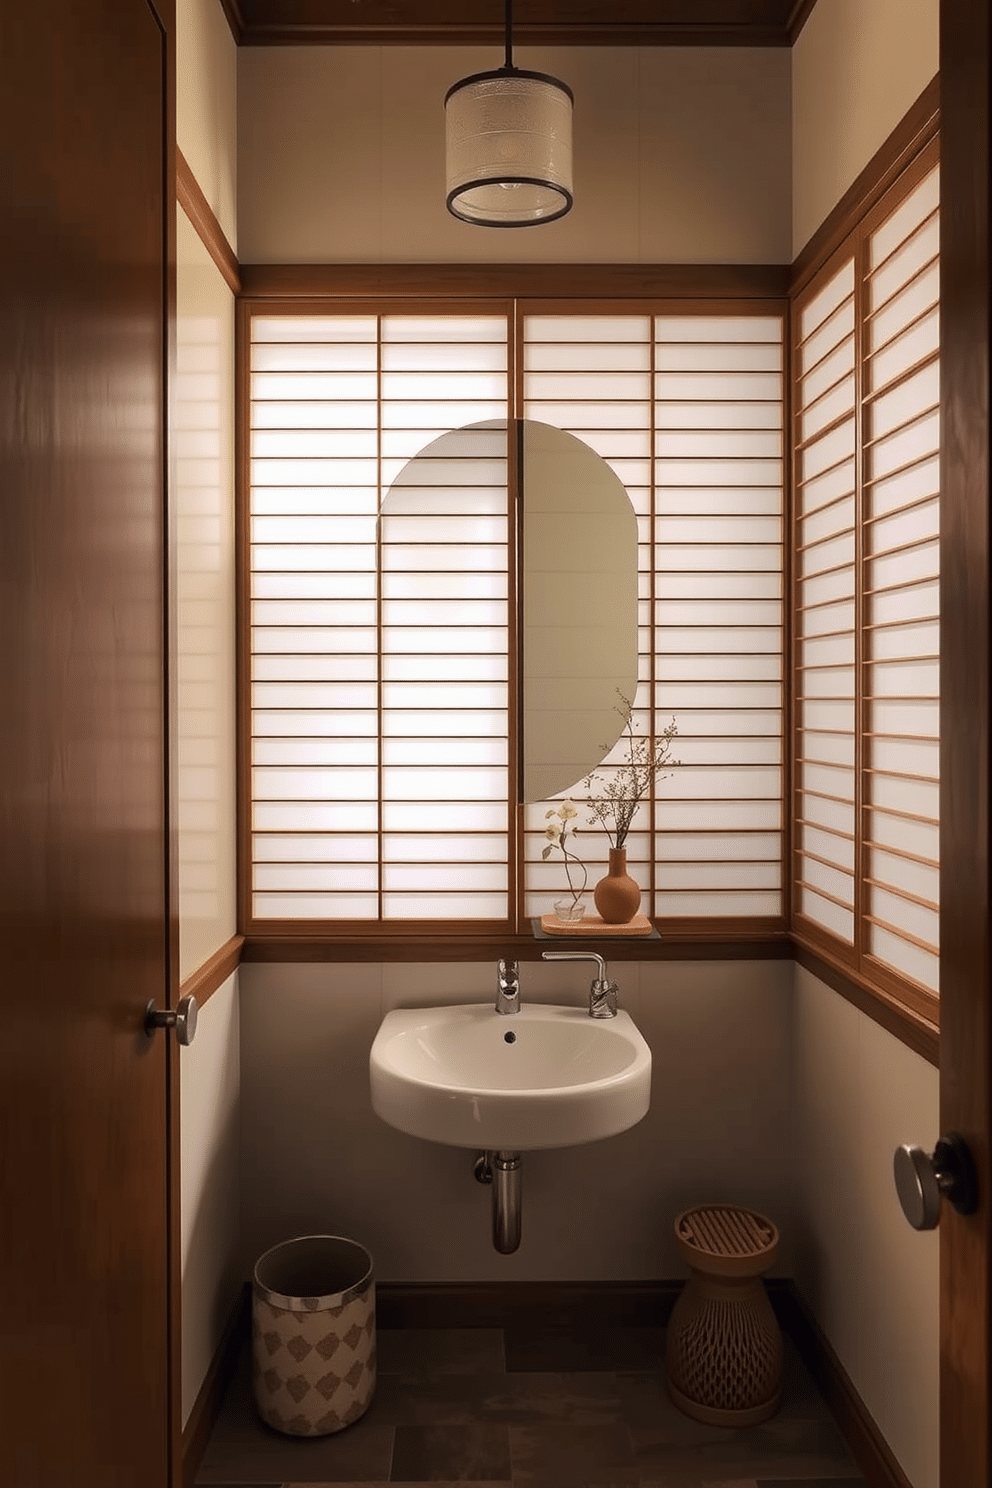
(509, 148)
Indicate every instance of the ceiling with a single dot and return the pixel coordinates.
(761, 23)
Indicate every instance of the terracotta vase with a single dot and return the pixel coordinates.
(617, 896)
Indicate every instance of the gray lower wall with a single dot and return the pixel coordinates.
(768, 1090)
(317, 1158)
(871, 1281)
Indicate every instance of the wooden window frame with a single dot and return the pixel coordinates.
(868, 974)
(450, 284)
(689, 937)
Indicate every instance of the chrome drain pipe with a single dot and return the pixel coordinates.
(507, 1201)
(503, 1171)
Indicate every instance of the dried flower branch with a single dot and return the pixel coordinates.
(557, 834)
(613, 805)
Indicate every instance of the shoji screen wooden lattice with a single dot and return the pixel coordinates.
(687, 409)
(378, 651)
(866, 597)
(380, 772)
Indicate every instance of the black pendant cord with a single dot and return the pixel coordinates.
(508, 62)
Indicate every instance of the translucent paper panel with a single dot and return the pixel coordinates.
(379, 650)
(706, 391)
(902, 569)
(825, 642)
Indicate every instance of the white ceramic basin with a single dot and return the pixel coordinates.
(542, 1077)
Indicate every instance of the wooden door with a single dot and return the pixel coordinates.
(966, 558)
(84, 123)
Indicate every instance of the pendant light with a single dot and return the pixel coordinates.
(509, 145)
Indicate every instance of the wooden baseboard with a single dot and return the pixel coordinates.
(542, 1304)
(562, 1304)
(206, 1407)
(867, 1444)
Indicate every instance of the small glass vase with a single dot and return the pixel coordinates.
(617, 896)
(569, 911)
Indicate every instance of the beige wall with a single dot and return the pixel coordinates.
(210, 1079)
(341, 159)
(870, 1280)
(206, 106)
(203, 444)
(316, 1157)
(204, 497)
(211, 1185)
(857, 65)
(680, 156)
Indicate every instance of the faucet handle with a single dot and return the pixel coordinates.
(603, 998)
(507, 987)
(508, 976)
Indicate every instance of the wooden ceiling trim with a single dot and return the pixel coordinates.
(602, 34)
(798, 16)
(234, 18)
(520, 281)
(762, 23)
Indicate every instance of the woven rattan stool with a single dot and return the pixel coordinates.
(724, 1341)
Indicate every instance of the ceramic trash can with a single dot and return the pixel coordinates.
(313, 1334)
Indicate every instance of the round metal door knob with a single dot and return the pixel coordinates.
(923, 1179)
(182, 1018)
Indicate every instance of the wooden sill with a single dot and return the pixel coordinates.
(716, 944)
(911, 1028)
(681, 942)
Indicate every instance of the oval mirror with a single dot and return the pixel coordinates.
(578, 579)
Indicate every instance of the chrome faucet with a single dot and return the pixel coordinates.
(507, 987)
(603, 993)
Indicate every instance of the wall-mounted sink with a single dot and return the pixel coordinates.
(544, 1077)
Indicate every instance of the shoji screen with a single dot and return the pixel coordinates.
(825, 626)
(378, 658)
(866, 596)
(901, 584)
(688, 411)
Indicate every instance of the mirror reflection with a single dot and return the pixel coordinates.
(578, 568)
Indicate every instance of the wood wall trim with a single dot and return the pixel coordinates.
(798, 16)
(443, 23)
(625, 23)
(917, 127)
(268, 947)
(242, 612)
(206, 1407)
(868, 1446)
(208, 229)
(212, 975)
(234, 18)
(563, 34)
(516, 281)
(910, 1028)
(526, 1304)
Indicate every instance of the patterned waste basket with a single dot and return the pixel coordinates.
(313, 1334)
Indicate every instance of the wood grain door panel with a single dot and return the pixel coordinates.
(966, 558)
(83, 853)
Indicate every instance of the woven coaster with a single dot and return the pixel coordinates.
(593, 925)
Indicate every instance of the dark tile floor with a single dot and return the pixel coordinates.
(517, 1408)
